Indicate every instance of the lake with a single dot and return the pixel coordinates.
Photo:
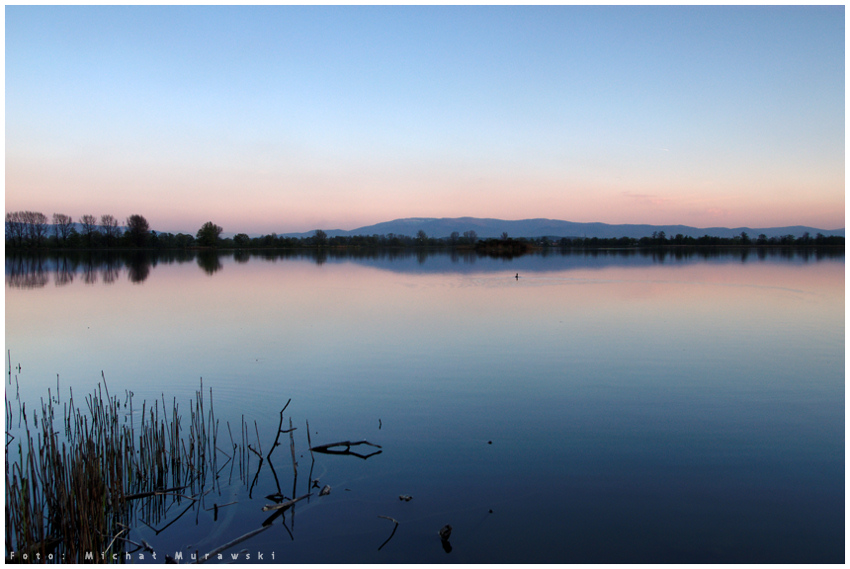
(605, 407)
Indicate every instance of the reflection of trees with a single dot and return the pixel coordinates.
(66, 269)
(26, 272)
(171, 256)
(32, 270)
(209, 262)
(89, 272)
(321, 256)
(138, 267)
(62, 278)
(111, 270)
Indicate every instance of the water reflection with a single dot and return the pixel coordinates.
(209, 261)
(31, 271)
(35, 271)
(111, 270)
(26, 272)
(643, 398)
(138, 268)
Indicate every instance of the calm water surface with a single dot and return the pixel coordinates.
(599, 408)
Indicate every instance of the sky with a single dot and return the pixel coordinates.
(284, 118)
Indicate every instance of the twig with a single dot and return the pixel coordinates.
(230, 544)
(395, 527)
(284, 505)
(163, 528)
(279, 425)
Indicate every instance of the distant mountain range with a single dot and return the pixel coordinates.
(486, 228)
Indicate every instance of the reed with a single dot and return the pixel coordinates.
(74, 489)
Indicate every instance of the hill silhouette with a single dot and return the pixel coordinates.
(540, 227)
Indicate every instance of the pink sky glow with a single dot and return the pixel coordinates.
(302, 118)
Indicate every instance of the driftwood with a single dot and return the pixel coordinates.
(230, 544)
(327, 449)
(284, 505)
(279, 509)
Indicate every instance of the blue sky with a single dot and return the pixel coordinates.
(293, 118)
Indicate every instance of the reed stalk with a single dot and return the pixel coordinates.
(73, 489)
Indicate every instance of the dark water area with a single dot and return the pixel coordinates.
(606, 407)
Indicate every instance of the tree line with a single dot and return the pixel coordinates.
(26, 230)
(33, 230)
(660, 239)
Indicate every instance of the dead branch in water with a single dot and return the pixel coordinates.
(284, 505)
(230, 544)
(326, 449)
(395, 527)
(279, 426)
